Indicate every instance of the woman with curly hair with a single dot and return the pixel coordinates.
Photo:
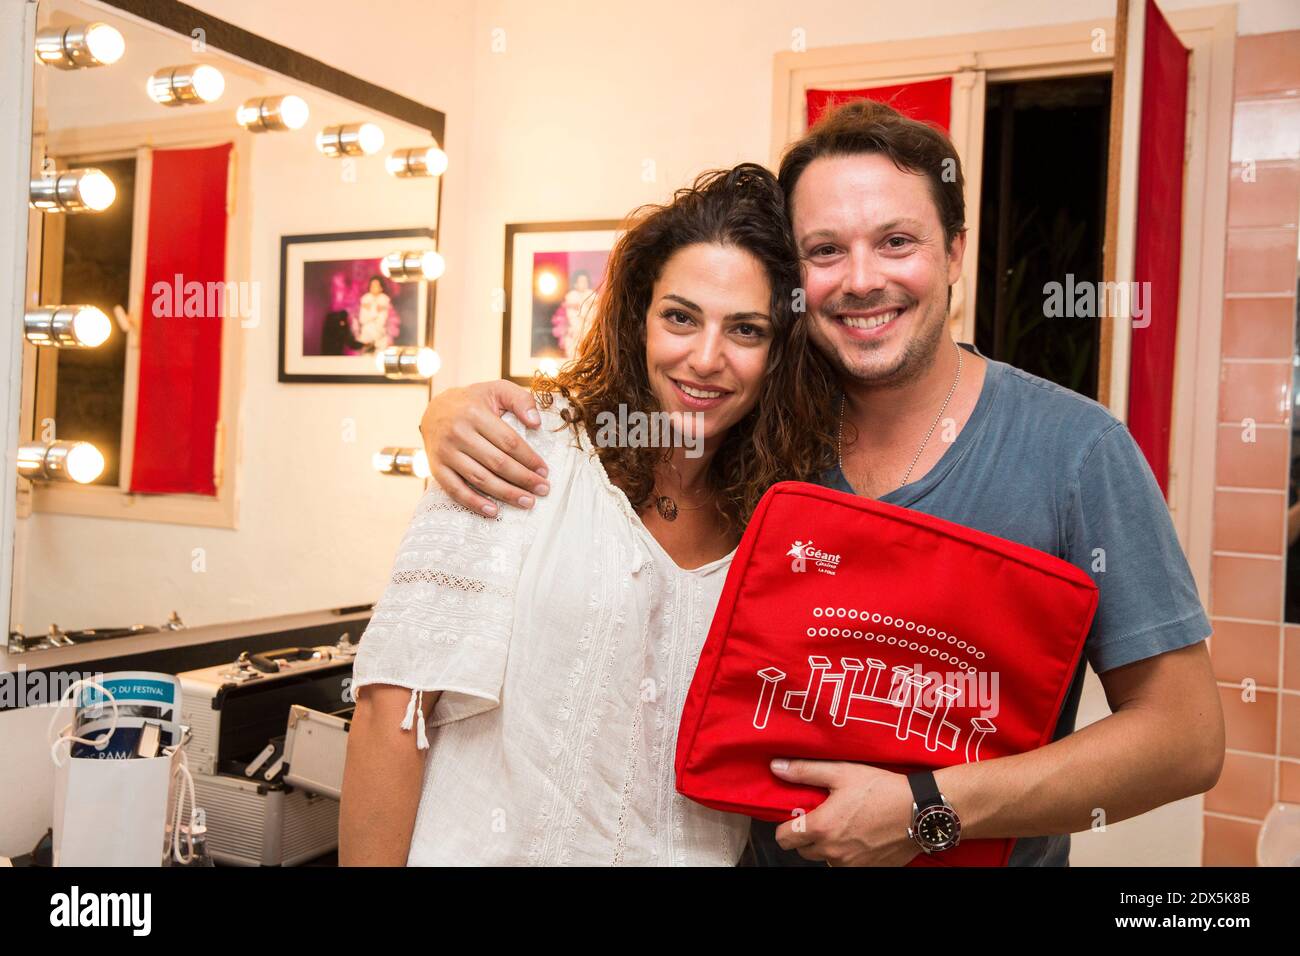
(520, 682)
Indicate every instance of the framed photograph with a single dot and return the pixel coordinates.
(553, 270)
(337, 310)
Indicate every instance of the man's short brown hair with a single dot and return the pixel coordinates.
(865, 126)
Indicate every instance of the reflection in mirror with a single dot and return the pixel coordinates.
(231, 278)
(1293, 485)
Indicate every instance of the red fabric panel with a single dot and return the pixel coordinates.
(180, 334)
(1159, 240)
(840, 636)
(928, 100)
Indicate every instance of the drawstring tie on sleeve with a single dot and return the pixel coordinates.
(413, 710)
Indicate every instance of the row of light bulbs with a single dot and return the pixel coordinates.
(74, 190)
(99, 44)
(81, 462)
(90, 190)
(86, 326)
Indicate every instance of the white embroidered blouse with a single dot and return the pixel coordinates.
(563, 640)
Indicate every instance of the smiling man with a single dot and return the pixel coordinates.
(877, 206)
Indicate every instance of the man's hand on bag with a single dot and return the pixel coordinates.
(473, 453)
(862, 823)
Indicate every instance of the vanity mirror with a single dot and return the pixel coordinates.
(232, 267)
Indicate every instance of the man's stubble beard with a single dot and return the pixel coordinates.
(917, 357)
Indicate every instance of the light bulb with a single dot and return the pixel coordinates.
(432, 265)
(84, 463)
(293, 111)
(436, 161)
(184, 85)
(66, 326)
(91, 327)
(264, 113)
(350, 139)
(96, 190)
(72, 190)
(104, 43)
(408, 362)
(412, 266)
(427, 363)
(401, 461)
(209, 84)
(79, 46)
(370, 138)
(417, 161)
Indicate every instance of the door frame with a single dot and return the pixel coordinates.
(1066, 50)
(118, 501)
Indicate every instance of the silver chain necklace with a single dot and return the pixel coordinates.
(839, 434)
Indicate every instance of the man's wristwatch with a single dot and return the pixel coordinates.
(935, 825)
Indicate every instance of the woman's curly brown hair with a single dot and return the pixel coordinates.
(787, 434)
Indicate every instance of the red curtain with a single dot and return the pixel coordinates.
(929, 100)
(180, 331)
(1158, 248)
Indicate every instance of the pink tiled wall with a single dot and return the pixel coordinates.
(1252, 647)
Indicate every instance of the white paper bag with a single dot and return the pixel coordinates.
(111, 812)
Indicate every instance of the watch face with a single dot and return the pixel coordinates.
(938, 828)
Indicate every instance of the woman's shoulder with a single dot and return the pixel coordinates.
(572, 461)
(554, 436)
(566, 450)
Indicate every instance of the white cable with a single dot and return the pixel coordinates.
(183, 770)
(101, 742)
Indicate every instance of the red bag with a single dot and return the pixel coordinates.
(855, 630)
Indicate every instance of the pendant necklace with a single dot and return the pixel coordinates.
(667, 507)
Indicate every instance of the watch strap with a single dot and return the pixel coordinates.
(925, 789)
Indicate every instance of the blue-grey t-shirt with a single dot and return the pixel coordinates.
(1042, 465)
